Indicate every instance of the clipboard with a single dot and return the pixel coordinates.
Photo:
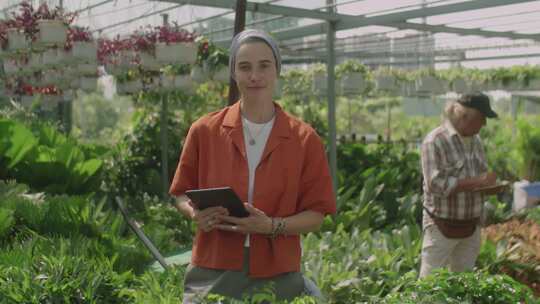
(214, 197)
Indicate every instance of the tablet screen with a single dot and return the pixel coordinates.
(223, 196)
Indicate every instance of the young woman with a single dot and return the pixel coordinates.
(274, 162)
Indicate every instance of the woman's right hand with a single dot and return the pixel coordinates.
(208, 218)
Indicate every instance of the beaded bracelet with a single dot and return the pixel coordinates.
(278, 227)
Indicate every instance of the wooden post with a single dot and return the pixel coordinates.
(239, 24)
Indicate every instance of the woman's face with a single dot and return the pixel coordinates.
(255, 70)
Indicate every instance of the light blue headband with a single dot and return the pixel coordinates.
(239, 39)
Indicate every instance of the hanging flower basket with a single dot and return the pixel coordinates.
(16, 40)
(534, 84)
(27, 101)
(182, 52)
(87, 69)
(353, 83)
(386, 83)
(222, 75)
(35, 62)
(68, 95)
(149, 62)
(408, 88)
(51, 77)
(415, 106)
(198, 74)
(514, 85)
(51, 32)
(83, 51)
(51, 57)
(459, 85)
(50, 102)
(88, 84)
(319, 83)
(176, 82)
(430, 85)
(129, 87)
(11, 67)
(152, 83)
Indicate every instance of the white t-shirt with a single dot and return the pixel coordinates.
(259, 133)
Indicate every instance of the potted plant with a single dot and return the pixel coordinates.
(176, 77)
(353, 76)
(175, 45)
(129, 82)
(80, 45)
(385, 80)
(213, 60)
(428, 82)
(52, 25)
(88, 83)
(318, 76)
(16, 39)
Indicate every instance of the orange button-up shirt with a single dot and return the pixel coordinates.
(292, 176)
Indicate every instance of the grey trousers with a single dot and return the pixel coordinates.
(200, 281)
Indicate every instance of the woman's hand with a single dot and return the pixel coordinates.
(256, 222)
(209, 218)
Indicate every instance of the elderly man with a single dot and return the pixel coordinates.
(454, 167)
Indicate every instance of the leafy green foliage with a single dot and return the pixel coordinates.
(30, 157)
(466, 287)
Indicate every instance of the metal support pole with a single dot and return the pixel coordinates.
(164, 135)
(164, 146)
(331, 94)
(239, 24)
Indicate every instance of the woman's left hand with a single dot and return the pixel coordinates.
(256, 222)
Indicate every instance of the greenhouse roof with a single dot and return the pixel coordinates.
(400, 32)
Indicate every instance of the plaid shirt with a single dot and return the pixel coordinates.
(446, 158)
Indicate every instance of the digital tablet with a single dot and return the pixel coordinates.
(213, 197)
(493, 189)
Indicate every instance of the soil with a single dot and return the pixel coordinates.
(524, 241)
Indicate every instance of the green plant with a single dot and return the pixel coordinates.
(466, 287)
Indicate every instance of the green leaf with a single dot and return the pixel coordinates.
(15, 142)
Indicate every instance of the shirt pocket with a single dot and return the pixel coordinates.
(455, 169)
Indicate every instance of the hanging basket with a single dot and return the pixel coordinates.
(408, 88)
(68, 95)
(353, 83)
(88, 84)
(534, 84)
(514, 85)
(149, 62)
(83, 51)
(16, 40)
(198, 74)
(35, 62)
(129, 87)
(51, 77)
(222, 75)
(386, 83)
(50, 102)
(50, 58)
(430, 85)
(459, 86)
(27, 101)
(152, 83)
(51, 32)
(183, 53)
(415, 106)
(11, 67)
(87, 69)
(319, 83)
